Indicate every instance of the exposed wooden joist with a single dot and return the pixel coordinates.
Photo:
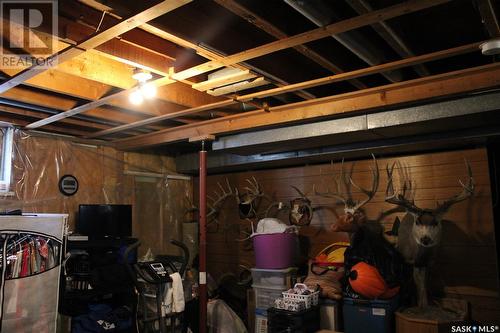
(388, 34)
(234, 88)
(315, 34)
(199, 49)
(222, 81)
(311, 83)
(309, 36)
(59, 103)
(470, 79)
(490, 16)
(96, 40)
(40, 115)
(153, 120)
(51, 128)
(92, 105)
(266, 26)
(366, 71)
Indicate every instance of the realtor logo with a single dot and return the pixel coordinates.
(27, 28)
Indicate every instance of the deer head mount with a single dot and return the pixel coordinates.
(249, 200)
(427, 222)
(420, 230)
(353, 216)
(300, 210)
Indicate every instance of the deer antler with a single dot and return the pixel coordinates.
(216, 204)
(397, 198)
(337, 194)
(350, 204)
(467, 191)
(369, 193)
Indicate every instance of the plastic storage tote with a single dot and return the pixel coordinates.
(265, 297)
(275, 251)
(369, 316)
(274, 277)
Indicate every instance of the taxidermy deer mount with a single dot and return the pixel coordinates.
(353, 216)
(367, 242)
(300, 210)
(419, 232)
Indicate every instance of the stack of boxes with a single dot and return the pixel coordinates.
(268, 284)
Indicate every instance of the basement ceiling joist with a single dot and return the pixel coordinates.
(302, 85)
(309, 36)
(285, 61)
(96, 40)
(404, 92)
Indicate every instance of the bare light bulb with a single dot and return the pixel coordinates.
(136, 97)
(148, 90)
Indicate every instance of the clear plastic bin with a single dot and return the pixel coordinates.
(265, 297)
(265, 278)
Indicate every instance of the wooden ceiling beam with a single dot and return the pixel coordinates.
(96, 40)
(234, 88)
(90, 75)
(50, 101)
(339, 27)
(309, 36)
(51, 128)
(306, 84)
(272, 30)
(154, 120)
(199, 49)
(40, 115)
(490, 17)
(466, 80)
(224, 80)
(366, 71)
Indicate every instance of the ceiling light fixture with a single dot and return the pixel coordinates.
(148, 89)
(491, 47)
(145, 89)
(136, 97)
(141, 75)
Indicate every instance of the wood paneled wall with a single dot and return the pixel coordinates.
(466, 265)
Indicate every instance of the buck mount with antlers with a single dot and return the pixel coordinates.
(419, 231)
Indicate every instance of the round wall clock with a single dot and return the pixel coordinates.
(68, 185)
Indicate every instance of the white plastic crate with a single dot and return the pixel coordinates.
(265, 297)
(309, 300)
(274, 277)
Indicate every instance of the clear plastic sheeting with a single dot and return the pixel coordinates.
(105, 176)
(222, 319)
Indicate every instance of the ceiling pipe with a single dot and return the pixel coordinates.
(321, 15)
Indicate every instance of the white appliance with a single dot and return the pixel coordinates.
(30, 263)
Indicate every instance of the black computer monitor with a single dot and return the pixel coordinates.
(99, 221)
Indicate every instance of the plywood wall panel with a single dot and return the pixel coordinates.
(468, 229)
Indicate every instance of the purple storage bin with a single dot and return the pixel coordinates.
(274, 251)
